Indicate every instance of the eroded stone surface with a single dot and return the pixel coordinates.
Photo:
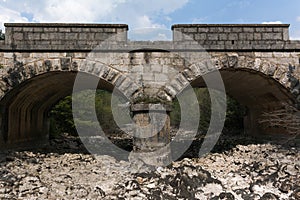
(253, 171)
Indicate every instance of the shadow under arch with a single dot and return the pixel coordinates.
(25, 108)
(256, 91)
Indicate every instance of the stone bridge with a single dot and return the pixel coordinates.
(258, 64)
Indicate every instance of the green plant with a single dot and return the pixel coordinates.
(62, 117)
(2, 35)
(234, 114)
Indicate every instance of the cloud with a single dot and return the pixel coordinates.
(273, 22)
(298, 19)
(74, 10)
(8, 15)
(136, 13)
(130, 11)
(200, 20)
(146, 22)
(295, 36)
(150, 34)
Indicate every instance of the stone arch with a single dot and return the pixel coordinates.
(261, 87)
(29, 90)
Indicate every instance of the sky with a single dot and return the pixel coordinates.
(153, 18)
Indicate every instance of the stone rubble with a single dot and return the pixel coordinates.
(66, 171)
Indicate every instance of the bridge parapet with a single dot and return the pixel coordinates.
(60, 36)
(85, 37)
(236, 36)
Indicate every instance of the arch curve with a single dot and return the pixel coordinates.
(29, 91)
(261, 87)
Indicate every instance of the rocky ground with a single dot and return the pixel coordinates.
(238, 168)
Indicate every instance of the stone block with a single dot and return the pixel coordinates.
(220, 29)
(18, 29)
(85, 30)
(109, 30)
(57, 36)
(31, 36)
(76, 29)
(200, 36)
(214, 29)
(101, 36)
(272, 36)
(188, 37)
(237, 29)
(27, 29)
(148, 76)
(43, 42)
(212, 36)
(217, 46)
(55, 42)
(50, 29)
(285, 35)
(38, 29)
(159, 77)
(71, 36)
(277, 45)
(41, 47)
(137, 69)
(223, 36)
(228, 43)
(233, 36)
(257, 36)
(156, 68)
(249, 36)
(248, 29)
(268, 29)
(267, 55)
(203, 29)
(44, 36)
(242, 36)
(260, 29)
(277, 36)
(190, 30)
(18, 36)
(64, 29)
(8, 36)
(8, 55)
(227, 29)
(82, 36)
(277, 29)
(95, 30)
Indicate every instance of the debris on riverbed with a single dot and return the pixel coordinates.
(65, 170)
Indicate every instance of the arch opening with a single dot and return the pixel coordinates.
(65, 125)
(26, 108)
(256, 91)
(250, 94)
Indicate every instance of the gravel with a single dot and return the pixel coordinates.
(65, 170)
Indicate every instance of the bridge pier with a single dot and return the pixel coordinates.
(151, 134)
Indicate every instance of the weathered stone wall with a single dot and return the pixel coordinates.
(62, 36)
(169, 72)
(85, 37)
(260, 72)
(236, 36)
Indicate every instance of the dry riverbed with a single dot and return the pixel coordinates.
(238, 169)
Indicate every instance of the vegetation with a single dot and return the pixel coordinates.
(234, 114)
(2, 36)
(62, 117)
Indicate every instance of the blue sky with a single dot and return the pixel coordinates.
(153, 17)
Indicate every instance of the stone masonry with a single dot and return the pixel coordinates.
(258, 64)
